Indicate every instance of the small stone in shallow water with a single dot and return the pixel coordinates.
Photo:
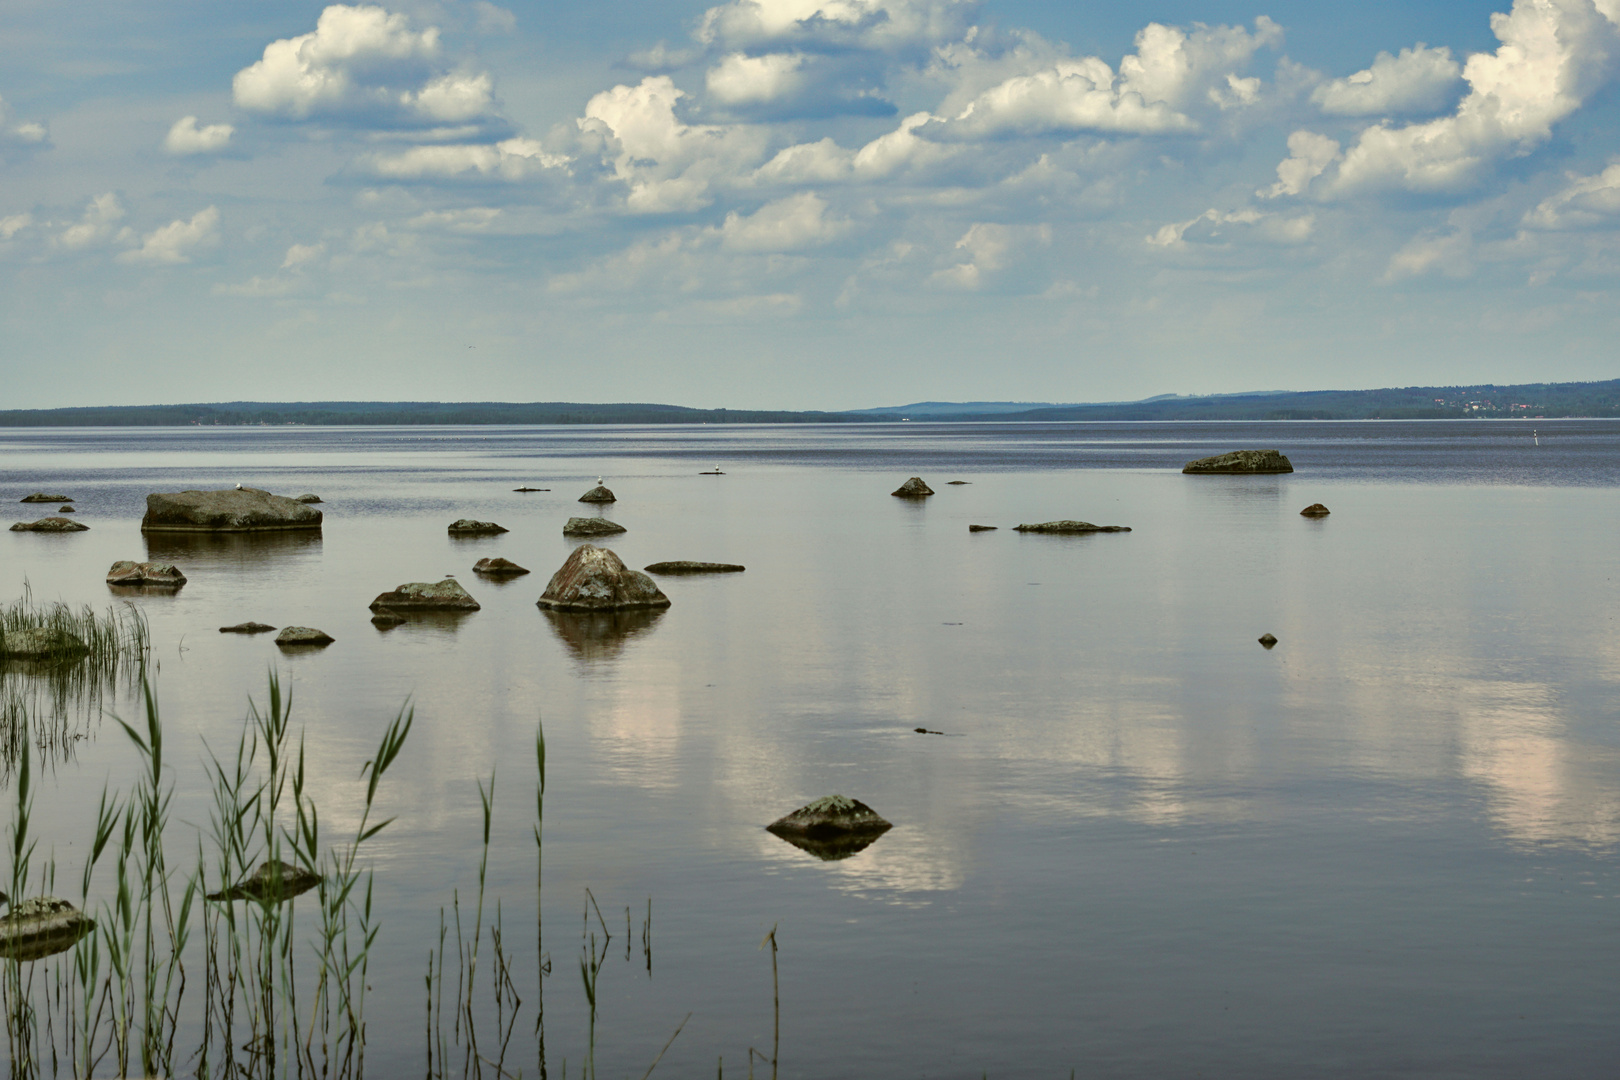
(387, 620)
(578, 526)
(831, 828)
(1315, 510)
(683, 566)
(66, 510)
(41, 927)
(982, 528)
(1241, 462)
(50, 525)
(598, 494)
(247, 628)
(294, 636)
(530, 489)
(41, 497)
(958, 483)
(308, 499)
(1267, 640)
(498, 568)
(446, 595)
(469, 527)
(913, 489)
(272, 882)
(161, 575)
(1070, 527)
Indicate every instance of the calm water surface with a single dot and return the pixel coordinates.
(1146, 847)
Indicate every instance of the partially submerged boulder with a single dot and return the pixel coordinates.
(387, 620)
(578, 526)
(1315, 510)
(913, 489)
(247, 628)
(598, 494)
(41, 927)
(527, 489)
(958, 483)
(832, 828)
(595, 579)
(41, 643)
(1268, 640)
(681, 566)
(469, 527)
(42, 497)
(982, 528)
(66, 510)
(231, 510)
(295, 636)
(446, 595)
(499, 568)
(1069, 527)
(308, 498)
(274, 882)
(50, 525)
(159, 574)
(1242, 462)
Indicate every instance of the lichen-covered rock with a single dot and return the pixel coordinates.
(41, 497)
(982, 528)
(295, 636)
(446, 595)
(41, 927)
(247, 628)
(1070, 527)
(680, 566)
(578, 526)
(1242, 462)
(41, 643)
(469, 527)
(273, 882)
(50, 525)
(598, 494)
(913, 489)
(230, 510)
(126, 572)
(595, 579)
(499, 568)
(1315, 510)
(308, 498)
(833, 815)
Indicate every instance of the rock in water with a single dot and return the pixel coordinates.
(598, 494)
(231, 510)
(680, 566)
(1267, 640)
(498, 568)
(294, 636)
(1241, 462)
(126, 572)
(1070, 527)
(531, 489)
(41, 927)
(66, 510)
(958, 483)
(832, 828)
(386, 620)
(446, 595)
(273, 882)
(595, 579)
(247, 628)
(51, 525)
(307, 498)
(981, 528)
(469, 527)
(913, 489)
(41, 497)
(1315, 510)
(41, 643)
(578, 526)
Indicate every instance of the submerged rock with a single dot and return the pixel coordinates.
(247, 628)
(1070, 527)
(595, 579)
(831, 828)
(50, 525)
(294, 636)
(446, 595)
(387, 620)
(681, 566)
(1267, 640)
(499, 568)
(958, 483)
(307, 498)
(530, 489)
(41, 643)
(230, 510)
(982, 528)
(913, 489)
(578, 526)
(469, 527)
(41, 927)
(41, 497)
(1315, 510)
(1241, 461)
(273, 882)
(598, 494)
(127, 572)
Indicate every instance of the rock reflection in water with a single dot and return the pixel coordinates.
(41, 927)
(232, 548)
(594, 636)
(831, 847)
(444, 622)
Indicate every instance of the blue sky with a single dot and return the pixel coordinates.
(802, 203)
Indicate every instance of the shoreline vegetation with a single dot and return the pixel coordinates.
(1540, 401)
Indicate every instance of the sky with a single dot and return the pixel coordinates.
(802, 204)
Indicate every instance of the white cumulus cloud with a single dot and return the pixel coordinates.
(1419, 80)
(178, 240)
(302, 254)
(790, 224)
(892, 25)
(26, 132)
(989, 247)
(1248, 224)
(747, 80)
(512, 159)
(1309, 155)
(95, 226)
(186, 137)
(1584, 202)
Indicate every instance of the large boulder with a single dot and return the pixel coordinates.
(499, 568)
(42, 497)
(1242, 462)
(41, 643)
(293, 637)
(1070, 527)
(598, 494)
(681, 566)
(126, 572)
(913, 489)
(595, 579)
(231, 510)
(469, 527)
(50, 525)
(41, 927)
(578, 526)
(446, 595)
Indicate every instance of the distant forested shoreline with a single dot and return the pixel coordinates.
(1484, 401)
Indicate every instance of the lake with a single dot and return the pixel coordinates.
(1142, 846)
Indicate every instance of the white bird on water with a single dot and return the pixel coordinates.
(238, 487)
(598, 481)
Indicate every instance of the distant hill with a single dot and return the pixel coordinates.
(1583, 399)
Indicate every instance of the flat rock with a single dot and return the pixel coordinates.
(982, 528)
(469, 527)
(126, 572)
(41, 643)
(231, 510)
(308, 498)
(247, 628)
(530, 489)
(41, 927)
(1070, 527)
(598, 494)
(595, 579)
(293, 636)
(386, 619)
(1241, 462)
(833, 815)
(273, 882)
(41, 497)
(913, 489)
(681, 566)
(957, 483)
(446, 595)
(1315, 510)
(499, 568)
(51, 525)
(578, 526)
